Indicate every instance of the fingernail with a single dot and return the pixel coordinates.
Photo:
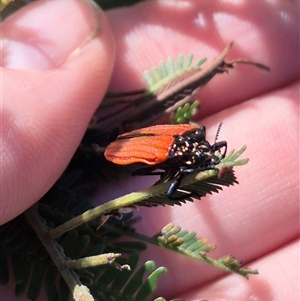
(44, 34)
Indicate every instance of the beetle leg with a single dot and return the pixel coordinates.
(185, 171)
(174, 186)
(218, 145)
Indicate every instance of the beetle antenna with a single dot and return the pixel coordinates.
(218, 132)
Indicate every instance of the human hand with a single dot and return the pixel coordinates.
(257, 220)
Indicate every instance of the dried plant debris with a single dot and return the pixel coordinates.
(170, 86)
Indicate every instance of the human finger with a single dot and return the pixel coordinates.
(53, 78)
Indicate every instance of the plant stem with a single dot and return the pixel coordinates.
(128, 200)
(80, 292)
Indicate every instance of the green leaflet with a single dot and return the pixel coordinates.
(150, 284)
(159, 77)
(185, 113)
(188, 244)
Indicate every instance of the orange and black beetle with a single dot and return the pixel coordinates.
(177, 149)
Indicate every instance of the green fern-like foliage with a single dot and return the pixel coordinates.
(34, 269)
(185, 113)
(187, 243)
(109, 283)
(159, 77)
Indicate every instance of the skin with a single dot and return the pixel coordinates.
(49, 96)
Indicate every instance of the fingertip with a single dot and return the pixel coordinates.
(38, 37)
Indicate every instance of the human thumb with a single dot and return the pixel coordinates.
(56, 62)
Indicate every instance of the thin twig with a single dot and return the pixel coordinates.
(134, 199)
(80, 291)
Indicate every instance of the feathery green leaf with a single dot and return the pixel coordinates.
(187, 243)
(160, 76)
